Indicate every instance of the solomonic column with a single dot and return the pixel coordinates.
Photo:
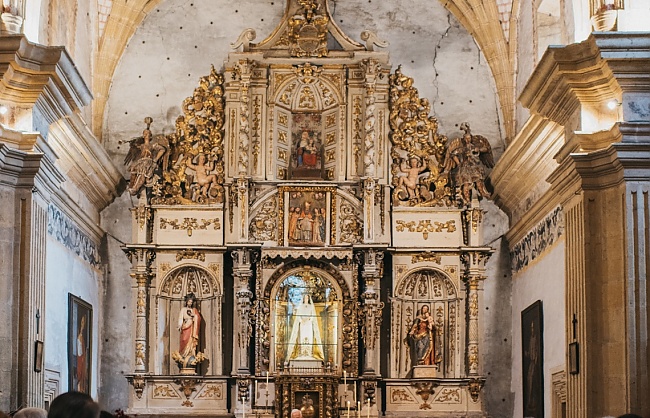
(474, 260)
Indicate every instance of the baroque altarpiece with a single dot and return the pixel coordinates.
(307, 239)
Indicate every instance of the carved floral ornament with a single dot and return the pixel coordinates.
(427, 169)
(187, 166)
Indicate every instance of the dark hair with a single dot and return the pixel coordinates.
(73, 405)
(105, 414)
(630, 416)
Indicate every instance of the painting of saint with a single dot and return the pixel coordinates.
(79, 344)
(307, 150)
(532, 361)
(307, 218)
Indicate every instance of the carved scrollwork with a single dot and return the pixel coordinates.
(418, 150)
(264, 225)
(139, 383)
(370, 318)
(194, 171)
(351, 224)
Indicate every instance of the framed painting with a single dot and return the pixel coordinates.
(532, 349)
(38, 356)
(307, 147)
(307, 216)
(80, 319)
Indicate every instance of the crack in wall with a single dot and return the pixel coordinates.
(435, 70)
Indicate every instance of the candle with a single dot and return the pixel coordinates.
(355, 392)
(256, 389)
(368, 408)
(348, 409)
(345, 380)
(267, 380)
(358, 409)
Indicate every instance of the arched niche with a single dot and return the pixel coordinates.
(433, 289)
(300, 299)
(170, 299)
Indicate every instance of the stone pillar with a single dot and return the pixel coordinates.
(474, 260)
(371, 309)
(242, 273)
(142, 280)
(141, 260)
(11, 19)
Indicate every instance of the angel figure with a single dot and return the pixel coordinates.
(203, 178)
(143, 159)
(466, 159)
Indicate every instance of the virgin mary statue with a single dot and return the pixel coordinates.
(305, 340)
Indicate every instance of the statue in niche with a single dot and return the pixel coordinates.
(145, 155)
(421, 339)
(204, 184)
(305, 341)
(465, 160)
(189, 325)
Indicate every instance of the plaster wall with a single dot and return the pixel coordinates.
(541, 280)
(117, 345)
(67, 273)
(495, 325)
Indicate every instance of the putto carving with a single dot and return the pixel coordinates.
(465, 160)
(418, 150)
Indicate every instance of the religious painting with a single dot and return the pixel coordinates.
(306, 318)
(532, 361)
(80, 316)
(38, 356)
(307, 147)
(307, 219)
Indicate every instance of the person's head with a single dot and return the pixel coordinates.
(73, 405)
(189, 300)
(31, 413)
(630, 416)
(295, 413)
(425, 310)
(82, 325)
(304, 135)
(106, 414)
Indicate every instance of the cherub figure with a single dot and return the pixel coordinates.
(466, 159)
(409, 182)
(203, 177)
(145, 154)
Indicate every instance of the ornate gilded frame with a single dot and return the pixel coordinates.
(283, 201)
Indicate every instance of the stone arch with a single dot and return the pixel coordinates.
(186, 279)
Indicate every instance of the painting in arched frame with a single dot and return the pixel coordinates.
(306, 306)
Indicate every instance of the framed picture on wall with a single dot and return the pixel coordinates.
(80, 319)
(532, 349)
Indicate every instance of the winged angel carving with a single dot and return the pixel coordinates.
(427, 168)
(466, 159)
(186, 166)
(144, 157)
